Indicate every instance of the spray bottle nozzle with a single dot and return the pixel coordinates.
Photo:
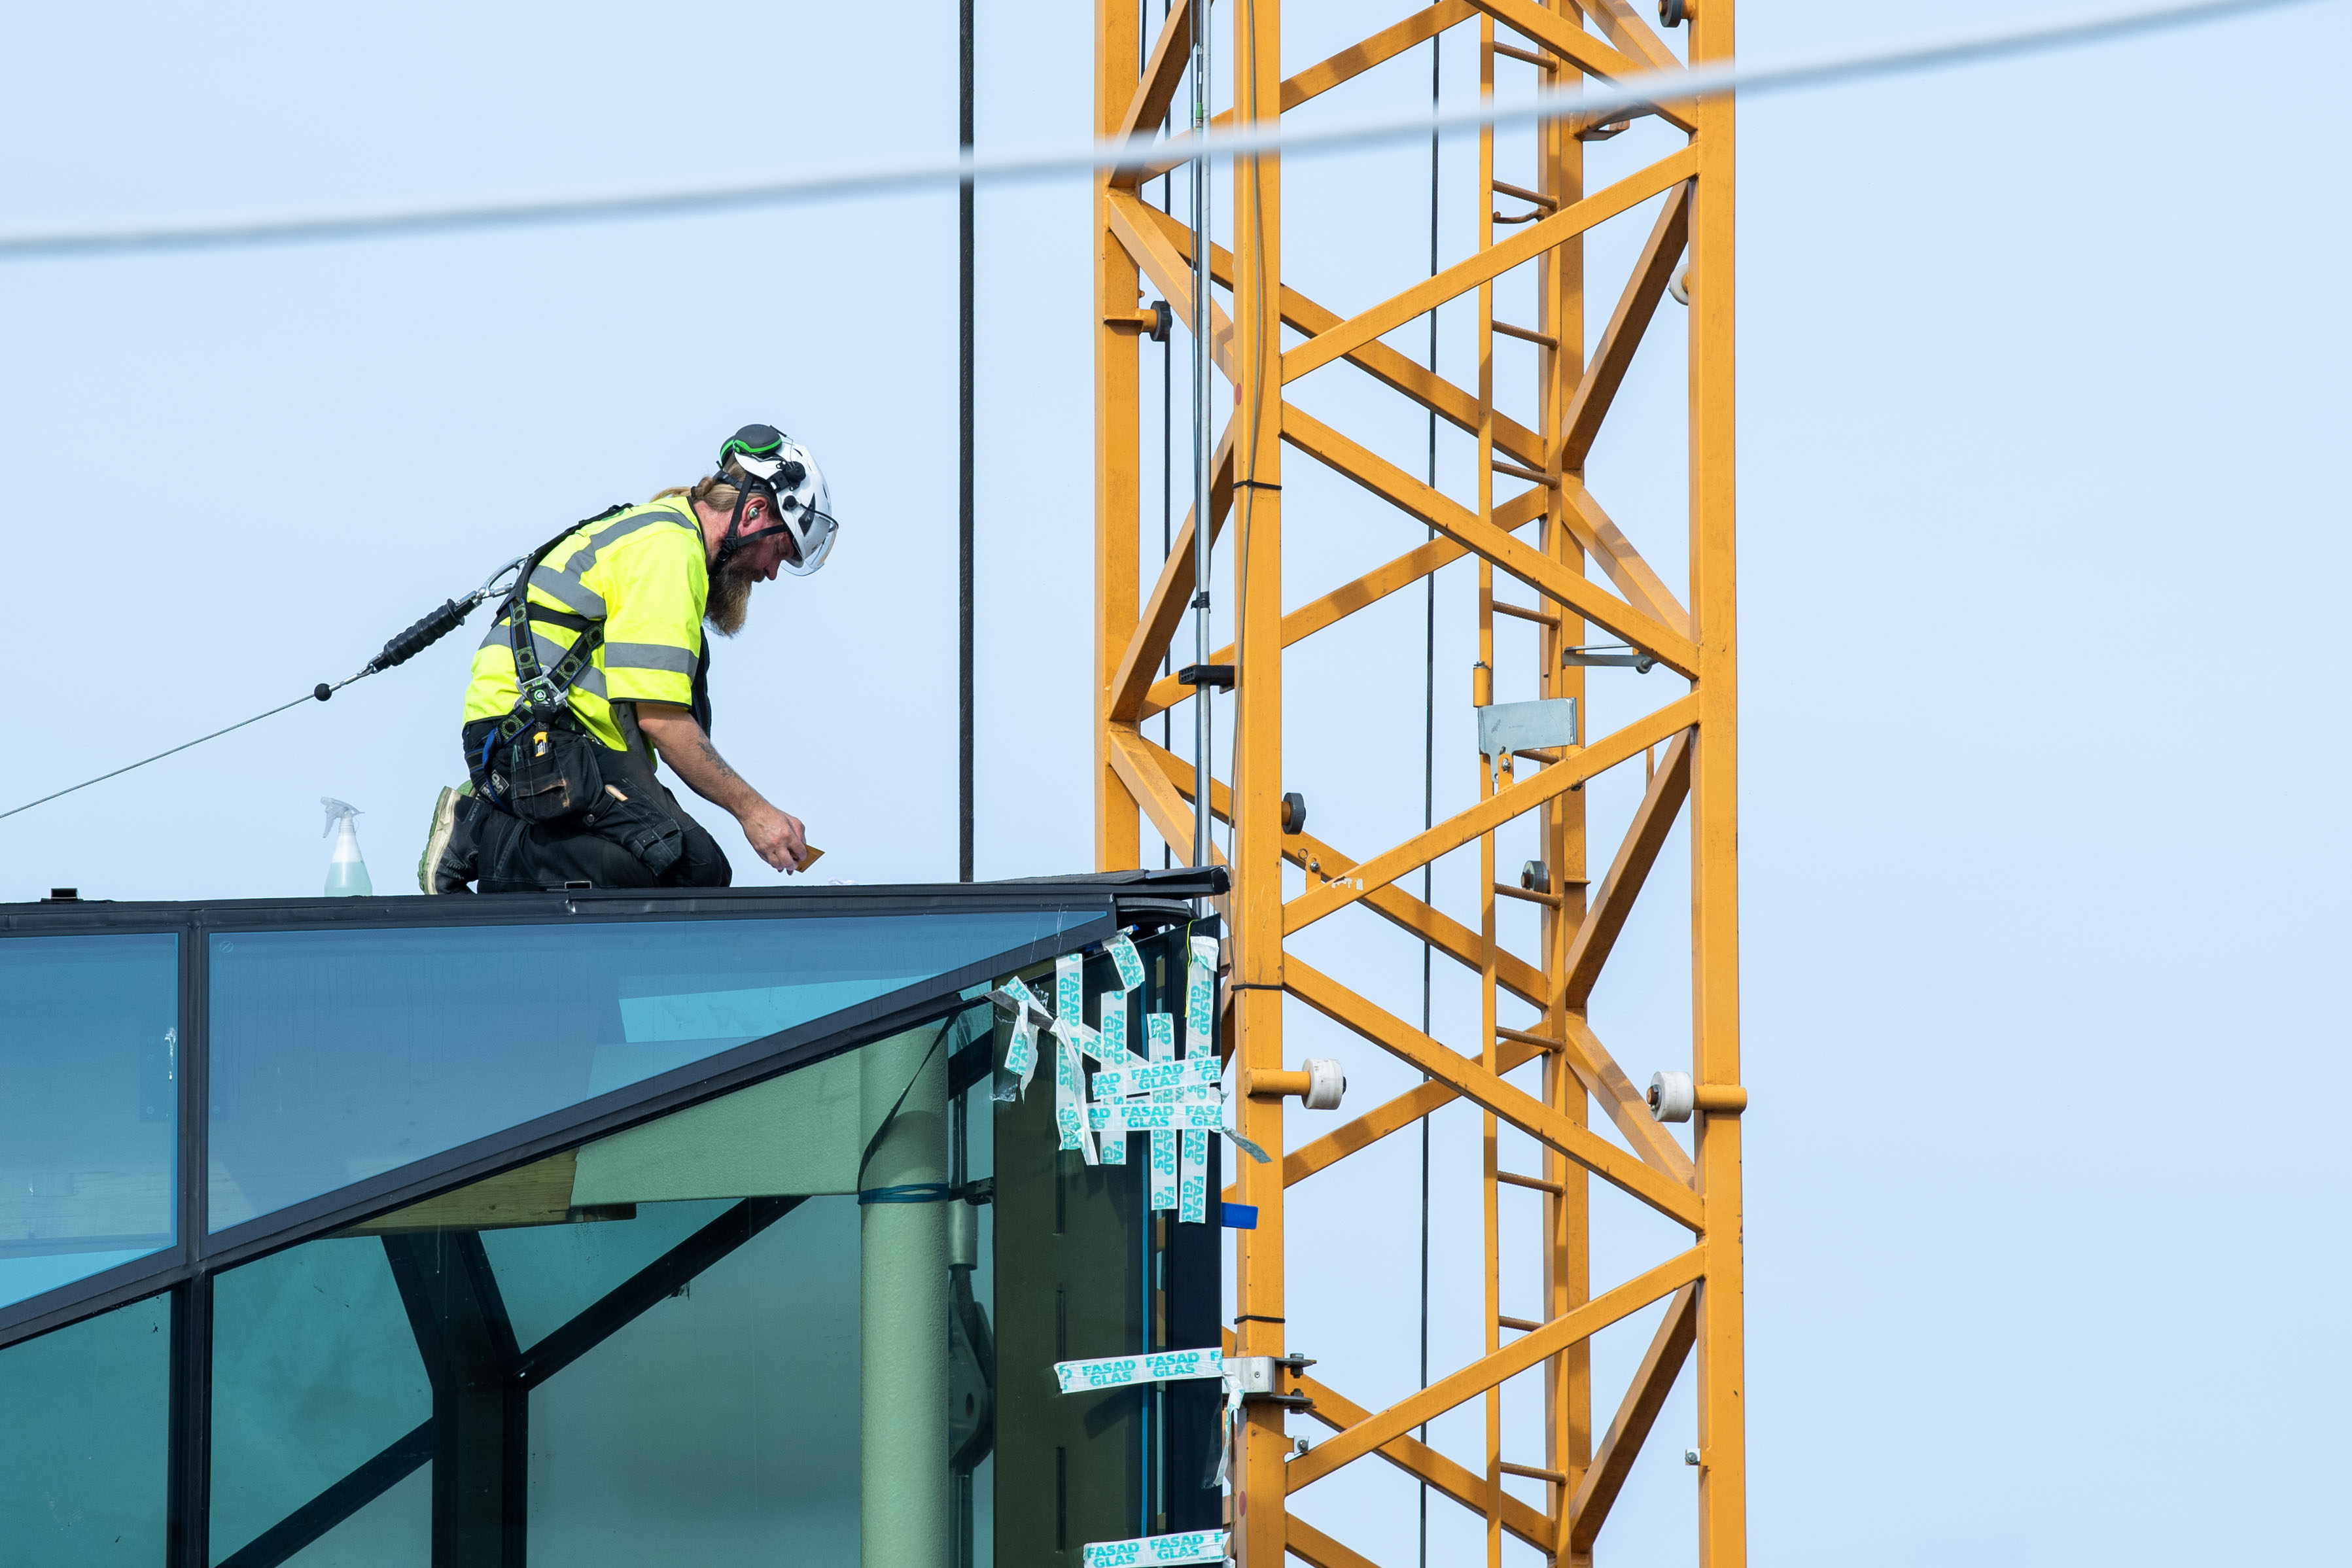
(337, 811)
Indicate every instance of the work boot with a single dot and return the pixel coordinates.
(451, 850)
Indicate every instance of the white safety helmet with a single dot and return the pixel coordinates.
(782, 469)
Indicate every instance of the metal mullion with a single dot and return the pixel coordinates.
(188, 1498)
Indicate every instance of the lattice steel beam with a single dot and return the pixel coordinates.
(1547, 1077)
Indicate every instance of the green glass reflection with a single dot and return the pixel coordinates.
(689, 1342)
(721, 1427)
(395, 1531)
(84, 1441)
(315, 1371)
(548, 1274)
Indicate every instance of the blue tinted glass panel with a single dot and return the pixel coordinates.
(83, 1439)
(88, 1051)
(338, 1055)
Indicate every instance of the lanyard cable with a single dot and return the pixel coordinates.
(398, 650)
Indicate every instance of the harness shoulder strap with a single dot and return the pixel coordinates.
(541, 693)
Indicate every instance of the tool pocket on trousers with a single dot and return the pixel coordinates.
(552, 774)
(649, 834)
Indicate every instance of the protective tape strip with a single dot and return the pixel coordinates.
(1069, 988)
(1067, 1114)
(1193, 1178)
(1140, 1077)
(1195, 1546)
(1201, 999)
(1129, 962)
(1020, 1056)
(1163, 1170)
(1160, 1037)
(1022, 994)
(1251, 1150)
(1143, 1116)
(1154, 1366)
(1114, 1027)
(1085, 1039)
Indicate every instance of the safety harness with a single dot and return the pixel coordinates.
(544, 695)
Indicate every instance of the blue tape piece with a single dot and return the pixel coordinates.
(921, 1192)
(1237, 1216)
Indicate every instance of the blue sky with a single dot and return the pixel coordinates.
(2042, 541)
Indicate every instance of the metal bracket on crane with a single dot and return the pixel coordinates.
(1613, 654)
(1507, 727)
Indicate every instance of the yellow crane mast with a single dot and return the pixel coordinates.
(1535, 547)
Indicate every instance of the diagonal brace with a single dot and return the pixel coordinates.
(1168, 270)
(1163, 611)
(1487, 539)
(1347, 599)
(1578, 1323)
(1162, 73)
(1492, 263)
(1645, 1397)
(1571, 43)
(1421, 1461)
(1605, 373)
(1488, 1089)
(1512, 800)
(1440, 930)
(1451, 404)
(1653, 819)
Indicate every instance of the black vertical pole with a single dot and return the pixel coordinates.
(188, 1503)
(1429, 758)
(963, 464)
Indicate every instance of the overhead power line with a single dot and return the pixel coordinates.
(885, 175)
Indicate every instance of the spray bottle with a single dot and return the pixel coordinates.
(347, 873)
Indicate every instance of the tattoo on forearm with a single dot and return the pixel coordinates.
(720, 772)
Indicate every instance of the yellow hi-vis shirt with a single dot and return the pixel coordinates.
(644, 573)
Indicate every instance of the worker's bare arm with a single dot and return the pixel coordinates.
(776, 835)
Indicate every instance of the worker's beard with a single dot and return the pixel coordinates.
(729, 600)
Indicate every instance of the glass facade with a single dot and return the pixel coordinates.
(649, 1377)
(335, 1053)
(84, 1436)
(315, 1372)
(805, 1318)
(89, 1053)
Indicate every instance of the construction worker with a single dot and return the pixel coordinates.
(607, 668)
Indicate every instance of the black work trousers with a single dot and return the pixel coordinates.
(511, 855)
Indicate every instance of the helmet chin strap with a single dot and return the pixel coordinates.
(731, 542)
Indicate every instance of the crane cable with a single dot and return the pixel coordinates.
(1640, 92)
(419, 637)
